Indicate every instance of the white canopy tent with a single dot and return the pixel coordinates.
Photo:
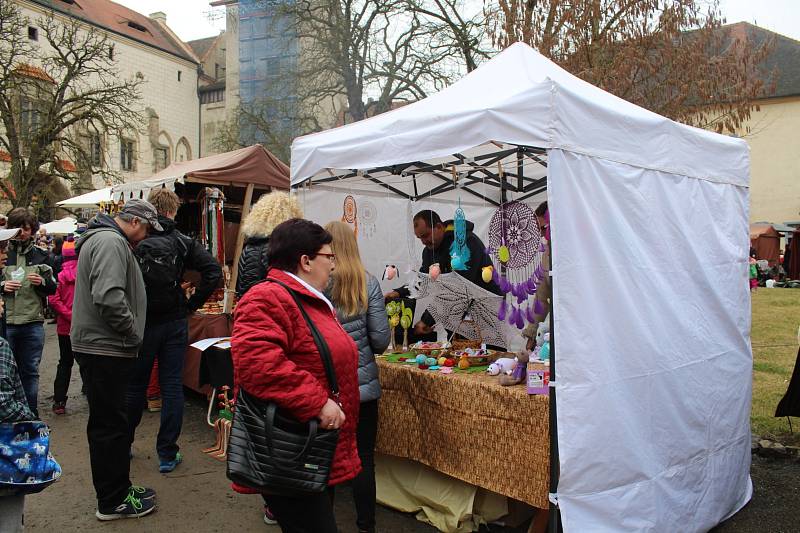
(61, 226)
(87, 200)
(650, 239)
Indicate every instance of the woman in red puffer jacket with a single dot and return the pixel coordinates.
(275, 359)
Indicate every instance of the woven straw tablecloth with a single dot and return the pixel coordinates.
(469, 427)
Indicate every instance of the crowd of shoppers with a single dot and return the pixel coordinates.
(116, 315)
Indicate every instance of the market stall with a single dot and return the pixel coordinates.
(216, 193)
(767, 242)
(650, 358)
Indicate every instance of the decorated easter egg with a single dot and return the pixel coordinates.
(486, 274)
(423, 367)
(434, 352)
(449, 362)
(421, 358)
(430, 361)
(442, 360)
(405, 322)
(434, 271)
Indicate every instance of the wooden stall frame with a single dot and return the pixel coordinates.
(229, 294)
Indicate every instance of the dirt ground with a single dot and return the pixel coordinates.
(196, 497)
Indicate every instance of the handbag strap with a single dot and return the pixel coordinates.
(319, 340)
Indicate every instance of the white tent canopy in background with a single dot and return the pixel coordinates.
(87, 200)
(62, 226)
(650, 240)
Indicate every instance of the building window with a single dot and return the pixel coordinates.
(162, 158)
(179, 75)
(95, 150)
(126, 160)
(33, 33)
(212, 97)
(273, 66)
(30, 117)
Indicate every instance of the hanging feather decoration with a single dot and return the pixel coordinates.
(501, 312)
(459, 252)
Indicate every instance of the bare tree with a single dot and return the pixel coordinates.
(351, 59)
(673, 57)
(58, 101)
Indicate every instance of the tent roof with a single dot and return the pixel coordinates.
(519, 98)
(763, 230)
(253, 164)
(89, 199)
(62, 226)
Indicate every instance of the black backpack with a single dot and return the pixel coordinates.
(161, 259)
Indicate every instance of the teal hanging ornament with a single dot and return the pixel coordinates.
(459, 252)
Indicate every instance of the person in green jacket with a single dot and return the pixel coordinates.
(27, 280)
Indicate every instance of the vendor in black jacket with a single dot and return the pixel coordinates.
(437, 236)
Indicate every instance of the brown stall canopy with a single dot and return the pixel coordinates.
(767, 242)
(252, 165)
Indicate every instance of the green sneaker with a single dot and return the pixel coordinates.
(131, 507)
(143, 493)
(167, 466)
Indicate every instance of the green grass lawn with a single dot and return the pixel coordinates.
(776, 317)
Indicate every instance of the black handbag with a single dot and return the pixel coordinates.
(272, 452)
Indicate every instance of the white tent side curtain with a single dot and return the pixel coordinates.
(653, 360)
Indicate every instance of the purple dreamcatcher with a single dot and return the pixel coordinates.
(516, 244)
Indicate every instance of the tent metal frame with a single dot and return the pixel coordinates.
(478, 172)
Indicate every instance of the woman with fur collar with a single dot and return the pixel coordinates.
(269, 211)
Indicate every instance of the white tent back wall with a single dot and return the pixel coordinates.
(652, 321)
(384, 229)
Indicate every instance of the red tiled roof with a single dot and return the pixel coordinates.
(121, 20)
(30, 71)
(66, 166)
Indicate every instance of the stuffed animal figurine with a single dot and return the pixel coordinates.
(504, 365)
(541, 331)
(520, 371)
(544, 351)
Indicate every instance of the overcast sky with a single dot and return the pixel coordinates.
(190, 18)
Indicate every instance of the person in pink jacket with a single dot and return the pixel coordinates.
(61, 303)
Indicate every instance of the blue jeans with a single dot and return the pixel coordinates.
(168, 342)
(27, 342)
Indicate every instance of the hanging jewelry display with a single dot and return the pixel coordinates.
(212, 236)
(459, 252)
(516, 244)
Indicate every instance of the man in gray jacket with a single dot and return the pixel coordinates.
(108, 318)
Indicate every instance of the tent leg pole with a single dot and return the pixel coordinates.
(554, 522)
(789, 419)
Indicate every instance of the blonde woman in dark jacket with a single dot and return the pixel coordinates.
(358, 299)
(269, 211)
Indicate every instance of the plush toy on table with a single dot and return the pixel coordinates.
(542, 335)
(504, 365)
(519, 373)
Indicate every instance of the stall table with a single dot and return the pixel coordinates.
(468, 426)
(202, 326)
